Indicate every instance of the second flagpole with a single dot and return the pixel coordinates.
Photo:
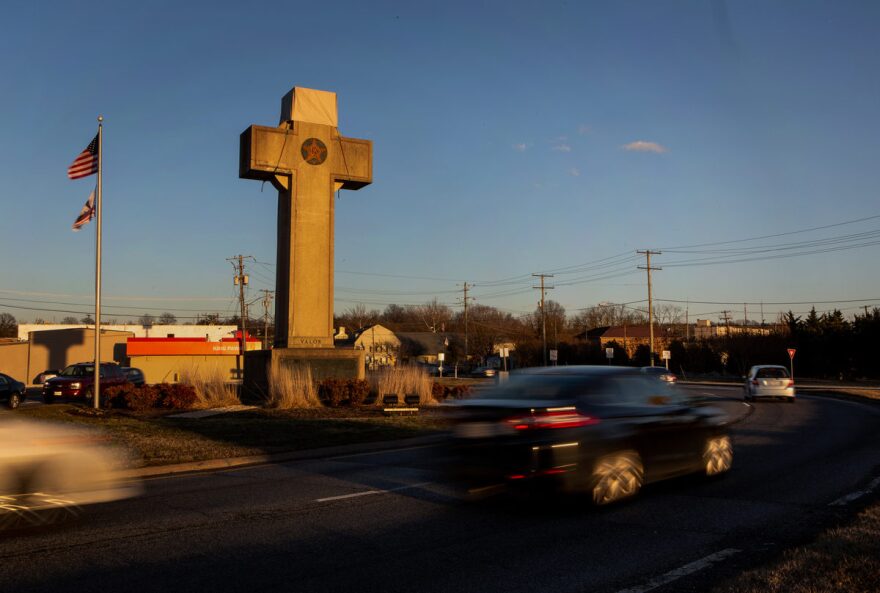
(98, 202)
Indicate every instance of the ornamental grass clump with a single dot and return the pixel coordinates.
(402, 381)
(291, 387)
(211, 388)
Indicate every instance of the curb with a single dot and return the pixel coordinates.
(206, 465)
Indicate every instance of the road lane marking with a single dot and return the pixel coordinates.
(844, 500)
(370, 492)
(687, 569)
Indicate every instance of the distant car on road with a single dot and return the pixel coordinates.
(11, 391)
(78, 380)
(483, 372)
(602, 430)
(769, 381)
(661, 373)
(134, 376)
(46, 375)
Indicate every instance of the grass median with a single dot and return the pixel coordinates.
(157, 438)
(845, 558)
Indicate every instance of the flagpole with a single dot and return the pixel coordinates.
(98, 203)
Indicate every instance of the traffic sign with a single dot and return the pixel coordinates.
(666, 355)
(791, 352)
(554, 355)
(609, 352)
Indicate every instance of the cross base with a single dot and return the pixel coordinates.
(325, 363)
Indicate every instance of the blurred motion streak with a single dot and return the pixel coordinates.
(50, 472)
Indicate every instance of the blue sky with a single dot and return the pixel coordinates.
(500, 137)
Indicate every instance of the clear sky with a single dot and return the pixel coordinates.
(509, 138)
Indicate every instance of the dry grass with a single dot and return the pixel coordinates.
(402, 381)
(212, 389)
(291, 387)
(842, 559)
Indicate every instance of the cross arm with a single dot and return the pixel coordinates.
(263, 153)
(354, 167)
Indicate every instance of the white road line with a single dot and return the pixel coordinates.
(687, 569)
(369, 492)
(844, 500)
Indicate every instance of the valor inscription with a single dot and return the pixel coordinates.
(314, 151)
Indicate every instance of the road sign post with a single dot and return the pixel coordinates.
(441, 356)
(554, 356)
(666, 355)
(609, 354)
(791, 352)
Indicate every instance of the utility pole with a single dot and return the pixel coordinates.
(241, 280)
(648, 253)
(687, 323)
(725, 316)
(745, 316)
(544, 290)
(464, 302)
(267, 300)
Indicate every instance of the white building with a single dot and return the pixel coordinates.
(211, 333)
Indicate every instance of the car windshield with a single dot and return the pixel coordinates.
(772, 373)
(77, 370)
(542, 387)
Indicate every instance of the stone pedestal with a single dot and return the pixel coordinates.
(325, 363)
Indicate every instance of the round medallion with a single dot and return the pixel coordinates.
(314, 151)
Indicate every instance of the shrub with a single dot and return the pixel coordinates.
(438, 392)
(141, 398)
(179, 396)
(113, 396)
(359, 389)
(458, 391)
(333, 392)
(291, 387)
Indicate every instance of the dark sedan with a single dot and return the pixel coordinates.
(11, 391)
(606, 431)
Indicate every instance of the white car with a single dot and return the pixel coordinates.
(50, 471)
(769, 381)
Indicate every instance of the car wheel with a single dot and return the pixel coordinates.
(14, 401)
(717, 455)
(616, 477)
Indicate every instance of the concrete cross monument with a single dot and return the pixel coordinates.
(307, 161)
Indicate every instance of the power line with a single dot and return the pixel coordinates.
(648, 253)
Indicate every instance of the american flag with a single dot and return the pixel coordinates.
(86, 214)
(86, 163)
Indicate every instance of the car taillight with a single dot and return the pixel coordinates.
(755, 382)
(551, 418)
(791, 382)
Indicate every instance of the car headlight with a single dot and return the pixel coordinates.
(75, 385)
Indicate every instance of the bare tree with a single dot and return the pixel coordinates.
(146, 319)
(8, 326)
(434, 315)
(358, 316)
(70, 320)
(167, 318)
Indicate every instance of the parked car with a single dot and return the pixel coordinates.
(661, 373)
(769, 381)
(46, 375)
(77, 381)
(11, 391)
(605, 431)
(134, 376)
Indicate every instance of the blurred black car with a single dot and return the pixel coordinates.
(661, 373)
(134, 376)
(602, 430)
(11, 391)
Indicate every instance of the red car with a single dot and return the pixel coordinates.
(77, 381)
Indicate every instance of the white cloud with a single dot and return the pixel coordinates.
(645, 146)
(562, 148)
(521, 147)
(574, 172)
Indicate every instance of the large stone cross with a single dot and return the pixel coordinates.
(306, 160)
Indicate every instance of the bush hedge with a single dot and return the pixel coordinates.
(164, 395)
(442, 392)
(337, 393)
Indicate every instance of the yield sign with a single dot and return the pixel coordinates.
(791, 352)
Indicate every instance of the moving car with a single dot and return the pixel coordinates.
(606, 431)
(769, 381)
(134, 376)
(661, 373)
(483, 372)
(48, 472)
(77, 381)
(11, 391)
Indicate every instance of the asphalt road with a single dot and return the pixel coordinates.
(387, 522)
